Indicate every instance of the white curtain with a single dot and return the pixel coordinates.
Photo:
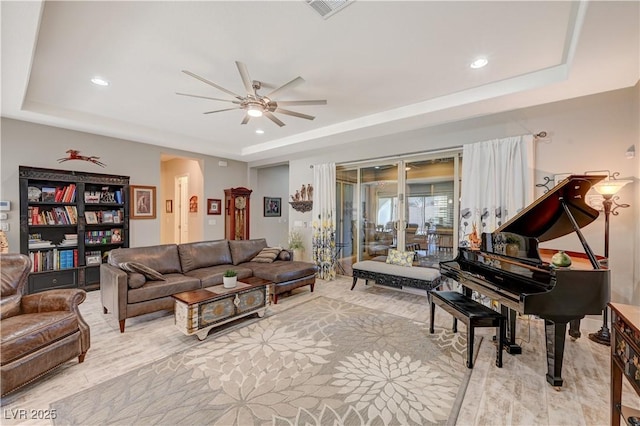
(497, 182)
(324, 220)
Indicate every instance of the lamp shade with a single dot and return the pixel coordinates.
(610, 187)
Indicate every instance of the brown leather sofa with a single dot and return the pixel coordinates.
(39, 331)
(190, 266)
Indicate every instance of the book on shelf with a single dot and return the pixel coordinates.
(48, 194)
(59, 194)
(69, 195)
(118, 195)
(41, 244)
(70, 240)
(53, 260)
(72, 214)
(98, 237)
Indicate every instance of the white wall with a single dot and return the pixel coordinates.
(28, 144)
(588, 133)
(270, 182)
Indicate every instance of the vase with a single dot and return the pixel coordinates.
(229, 282)
(298, 254)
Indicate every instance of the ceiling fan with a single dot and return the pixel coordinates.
(254, 104)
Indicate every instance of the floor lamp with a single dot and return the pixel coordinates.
(607, 188)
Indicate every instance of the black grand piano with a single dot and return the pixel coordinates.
(511, 269)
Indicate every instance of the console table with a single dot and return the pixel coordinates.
(625, 360)
(198, 311)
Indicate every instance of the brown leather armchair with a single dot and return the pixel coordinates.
(38, 331)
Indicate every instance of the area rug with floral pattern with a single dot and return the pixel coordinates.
(322, 362)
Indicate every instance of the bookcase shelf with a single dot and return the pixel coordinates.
(54, 206)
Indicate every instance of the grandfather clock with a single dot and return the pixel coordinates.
(236, 201)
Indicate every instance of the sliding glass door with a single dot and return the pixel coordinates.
(430, 189)
(398, 204)
(381, 209)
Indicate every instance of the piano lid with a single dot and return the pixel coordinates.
(546, 219)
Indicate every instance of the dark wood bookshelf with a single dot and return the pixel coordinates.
(65, 266)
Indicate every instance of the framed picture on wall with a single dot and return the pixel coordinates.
(272, 207)
(214, 206)
(143, 202)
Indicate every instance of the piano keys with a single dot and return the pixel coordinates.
(524, 280)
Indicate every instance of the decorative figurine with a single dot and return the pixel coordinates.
(303, 193)
(74, 154)
(309, 192)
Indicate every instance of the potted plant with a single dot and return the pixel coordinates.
(230, 278)
(513, 246)
(296, 244)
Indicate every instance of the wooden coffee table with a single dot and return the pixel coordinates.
(198, 311)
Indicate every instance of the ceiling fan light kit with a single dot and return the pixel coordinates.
(254, 104)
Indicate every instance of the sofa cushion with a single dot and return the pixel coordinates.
(204, 254)
(267, 255)
(163, 258)
(149, 273)
(26, 333)
(245, 250)
(174, 283)
(281, 271)
(213, 275)
(400, 258)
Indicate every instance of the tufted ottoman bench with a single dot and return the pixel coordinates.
(395, 275)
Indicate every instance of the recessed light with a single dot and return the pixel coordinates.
(259, 131)
(99, 81)
(479, 63)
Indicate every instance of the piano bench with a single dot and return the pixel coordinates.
(471, 313)
(396, 276)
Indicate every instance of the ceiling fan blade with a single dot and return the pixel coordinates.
(207, 97)
(295, 114)
(314, 102)
(246, 79)
(246, 119)
(292, 83)
(211, 83)
(273, 118)
(221, 110)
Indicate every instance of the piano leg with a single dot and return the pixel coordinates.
(555, 337)
(509, 342)
(574, 329)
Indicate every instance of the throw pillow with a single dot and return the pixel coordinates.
(402, 258)
(267, 255)
(135, 279)
(150, 274)
(284, 255)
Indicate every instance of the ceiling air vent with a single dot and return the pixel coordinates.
(327, 8)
